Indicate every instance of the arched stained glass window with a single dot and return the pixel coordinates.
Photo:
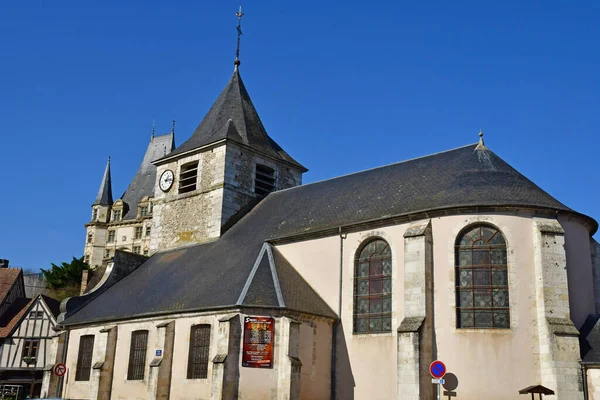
(481, 279)
(373, 288)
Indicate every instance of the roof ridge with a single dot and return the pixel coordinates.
(372, 169)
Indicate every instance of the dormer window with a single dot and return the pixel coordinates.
(188, 177)
(117, 215)
(94, 214)
(264, 181)
(143, 211)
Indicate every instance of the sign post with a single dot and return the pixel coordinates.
(60, 369)
(437, 369)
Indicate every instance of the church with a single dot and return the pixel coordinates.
(219, 275)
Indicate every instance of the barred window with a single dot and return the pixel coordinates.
(199, 348)
(481, 279)
(84, 358)
(373, 288)
(137, 355)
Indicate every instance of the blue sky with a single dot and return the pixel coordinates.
(342, 86)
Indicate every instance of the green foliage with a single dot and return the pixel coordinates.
(66, 274)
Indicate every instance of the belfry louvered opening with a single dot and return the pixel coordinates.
(188, 177)
(264, 181)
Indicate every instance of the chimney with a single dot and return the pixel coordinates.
(3, 263)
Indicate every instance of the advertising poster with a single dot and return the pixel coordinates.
(259, 333)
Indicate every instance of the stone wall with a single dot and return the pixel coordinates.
(193, 217)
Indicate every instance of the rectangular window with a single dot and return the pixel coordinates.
(107, 253)
(90, 237)
(199, 348)
(138, 232)
(86, 259)
(188, 177)
(84, 358)
(36, 315)
(111, 236)
(264, 181)
(145, 252)
(137, 249)
(148, 231)
(94, 214)
(117, 215)
(144, 211)
(137, 355)
(30, 349)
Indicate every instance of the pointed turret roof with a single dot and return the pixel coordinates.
(233, 117)
(143, 182)
(104, 197)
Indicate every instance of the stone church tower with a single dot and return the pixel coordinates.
(229, 164)
(126, 224)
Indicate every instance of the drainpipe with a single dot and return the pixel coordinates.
(584, 380)
(336, 324)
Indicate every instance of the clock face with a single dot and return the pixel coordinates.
(166, 180)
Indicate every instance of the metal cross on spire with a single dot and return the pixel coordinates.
(239, 14)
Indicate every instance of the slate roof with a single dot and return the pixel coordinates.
(143, 182)
(104, 196)
(233, 117)
(589, 340)
(13, 315)
(19, 308)
(212, 275)
(8, 278)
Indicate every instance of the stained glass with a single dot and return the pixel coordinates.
(373, 288)
(482, 298)
(375, 306)
(466, 277)
(387, 304)
(501, 319)
(483, 319)
(500, 298)
(499, 277)
(466, 298)
(466, 319)
(363, 306)
(387, 266)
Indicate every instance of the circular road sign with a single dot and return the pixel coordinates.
(60, 369)
(437, 369)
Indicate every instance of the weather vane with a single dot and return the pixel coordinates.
(239, 14)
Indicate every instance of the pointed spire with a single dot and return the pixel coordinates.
(239, 14)
(153, 127)
(480, 145)
(104, 197)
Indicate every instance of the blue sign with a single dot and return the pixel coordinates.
(437, 369)
(158, 353)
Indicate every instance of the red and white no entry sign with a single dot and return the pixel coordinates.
(437, 369)
(60, 369)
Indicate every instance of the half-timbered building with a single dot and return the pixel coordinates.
(26, 333)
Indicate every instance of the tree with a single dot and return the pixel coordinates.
(65, 275)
